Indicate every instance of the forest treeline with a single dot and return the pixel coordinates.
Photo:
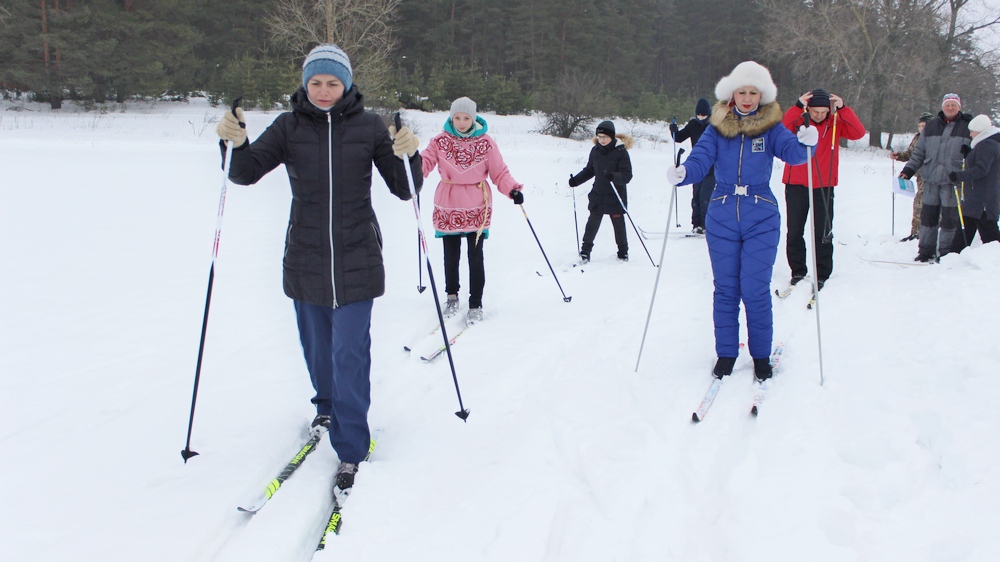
(571, 59)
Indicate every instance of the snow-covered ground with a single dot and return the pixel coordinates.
(106, 225)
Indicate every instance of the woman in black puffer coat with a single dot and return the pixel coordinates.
(611, 168)
(333, 246)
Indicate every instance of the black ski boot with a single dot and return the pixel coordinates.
(762, 369)
(724, 367)
(345, 475)
(319, 425)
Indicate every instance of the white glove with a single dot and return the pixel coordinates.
(675, 175)
(233, 127)
(404, 143)
(808, 136)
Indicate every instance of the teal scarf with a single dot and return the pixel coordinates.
(478, 129)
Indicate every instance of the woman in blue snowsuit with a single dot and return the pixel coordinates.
(743, 223)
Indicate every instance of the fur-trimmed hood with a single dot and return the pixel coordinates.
(621, 139)
(730, 126)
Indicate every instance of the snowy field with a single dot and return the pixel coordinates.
(569, 454)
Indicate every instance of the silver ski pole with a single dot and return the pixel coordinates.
(815, 259)
(659, 270)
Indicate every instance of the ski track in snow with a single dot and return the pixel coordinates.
(568, 454)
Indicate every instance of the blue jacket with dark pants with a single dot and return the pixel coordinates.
(743, 223)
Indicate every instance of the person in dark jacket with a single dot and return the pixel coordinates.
(611, 168)
(833, 121)
(981, 206)
(333, 246)
(701, 191)
(939, 152)
(743, 224)
(918, 198)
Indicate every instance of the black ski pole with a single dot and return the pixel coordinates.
(547, 262)
(659, 270)
(462, 413)
(576, 222)
(420, 259)
(227, 152)
(677, 162)
(634, 227)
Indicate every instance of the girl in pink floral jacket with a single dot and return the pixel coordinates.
(463, 204)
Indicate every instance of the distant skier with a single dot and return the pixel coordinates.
(939, 152)
(743, 224)
(833, 121)
(611, 168)
(465, 157)
(333, 247)
(701, 192)
(981, 181)
(918, 199)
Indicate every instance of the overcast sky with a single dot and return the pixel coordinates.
(987, 8)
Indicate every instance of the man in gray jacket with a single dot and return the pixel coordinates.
(939, 152)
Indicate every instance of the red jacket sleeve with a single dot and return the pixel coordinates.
(851, 127)
(793, 118)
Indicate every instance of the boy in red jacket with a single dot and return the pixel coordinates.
(833, 121)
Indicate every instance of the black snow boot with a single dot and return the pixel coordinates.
(319, 425)
(724, 367)
(762, 368)
(345, 475)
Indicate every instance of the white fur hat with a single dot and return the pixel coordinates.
(747, 73)
(980, 123)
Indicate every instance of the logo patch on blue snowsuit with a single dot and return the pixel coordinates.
(757, 144)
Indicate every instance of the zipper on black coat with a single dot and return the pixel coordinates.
(329, 157)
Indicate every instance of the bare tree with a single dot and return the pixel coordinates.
(871, 52)
(363, 28)
(573, 103)
(954, 46)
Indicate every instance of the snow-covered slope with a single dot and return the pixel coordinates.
(106, 224)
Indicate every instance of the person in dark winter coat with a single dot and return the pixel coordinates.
(918, 198)
(833, 121)
(743, 224)
(701, 191)
(611, 168)
(333, 246)
(939, 152)
(981, 206)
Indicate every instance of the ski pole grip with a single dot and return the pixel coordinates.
(677, 162)
(236, 103)
(398, 121)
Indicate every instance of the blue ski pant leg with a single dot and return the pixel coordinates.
(761, 229)
(315, 333)
(347, 347)
(725, 251)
